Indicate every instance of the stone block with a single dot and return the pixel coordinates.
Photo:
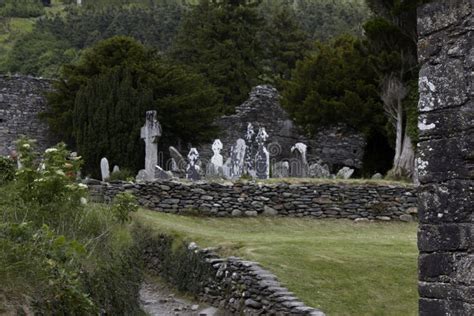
(446, 237)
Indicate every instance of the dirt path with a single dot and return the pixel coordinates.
(160, 300)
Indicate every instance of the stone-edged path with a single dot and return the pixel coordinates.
(160, 300)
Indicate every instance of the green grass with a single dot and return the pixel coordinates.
(342, 267)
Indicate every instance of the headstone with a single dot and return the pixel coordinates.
(192, 171)
(226, 169)
(319, 170)
(344, 173)
(281, 169)
(377, 176)
(116, 169)
(150, 133)
(162, 174)
(214, 168)
(249, 167)
(262, 158)
(237, 159)
(105, 169)
(179, 163)
(141, 176)
(299, 164)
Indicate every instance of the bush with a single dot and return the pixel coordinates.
(124, 204)
(21, 8)
(7, 170)
(122, 175)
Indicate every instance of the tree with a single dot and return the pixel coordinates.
(284, 42)
(100, 103)
(392, 37)
(218, 39)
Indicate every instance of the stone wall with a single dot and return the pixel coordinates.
(329, 200)
(446, 158)
(21, 99)
(336, 146)
(237, 286)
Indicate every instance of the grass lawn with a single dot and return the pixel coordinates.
(342, 267)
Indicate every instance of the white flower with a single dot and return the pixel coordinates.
(83, 201)
(60, 172)
(82, 185)
(27, 146)
(51, 150)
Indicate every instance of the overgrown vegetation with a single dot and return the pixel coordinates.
(58, 255)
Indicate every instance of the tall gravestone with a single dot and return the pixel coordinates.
(192, 171)
(299, 163)
(214, 167)
(445, 159)
(249, 167)
(150, 133)
(237, 159)
(104, 169)
(262, 158)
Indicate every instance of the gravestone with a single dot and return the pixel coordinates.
(262, 158)
(105, 169)
(299, 163)
(162, 174)
(214, 167)
(150, 133)
(281, 169)
(237, 159)
(192, 171)
(445, 158)
(178, 161)
(116, 169)
(344, 173)
(249, 167)
(319, 170)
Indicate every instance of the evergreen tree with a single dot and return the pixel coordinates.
(218, 39)
(101, 101)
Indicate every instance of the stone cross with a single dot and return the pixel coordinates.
(104, 169)
(150, 133)
(249, 167)
(262, 158)
(192, 171)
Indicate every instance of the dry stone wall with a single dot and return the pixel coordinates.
(21, 100)
(337, 200)
(235, 285)
(446, 158)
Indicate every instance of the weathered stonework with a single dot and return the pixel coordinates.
(337, 146)
(446, 158)
(335, 200)
(235, 285)
(21, 100)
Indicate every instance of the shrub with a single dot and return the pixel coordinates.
(124, 204)
(21, 8)
(7, 170)
(123, 175)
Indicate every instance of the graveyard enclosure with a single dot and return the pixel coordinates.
(318, 200)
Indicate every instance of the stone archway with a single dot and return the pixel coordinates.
(446, 158)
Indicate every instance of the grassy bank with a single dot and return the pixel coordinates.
(342, 267)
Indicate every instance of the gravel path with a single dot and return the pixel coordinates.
(159, 300)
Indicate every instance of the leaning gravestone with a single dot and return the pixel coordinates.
(162, 174)
(150, 133)
(344, 173)
(214, 167)
(105, 169)
(192, 171)
(178, 159)
(299, 164)
(262, 158)
(319, 170)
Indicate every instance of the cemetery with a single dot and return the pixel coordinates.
(262, 218)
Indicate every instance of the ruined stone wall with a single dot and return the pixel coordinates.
(240, 287)
(21, 99)
(320, 200)
(337, 146)
(446, 158)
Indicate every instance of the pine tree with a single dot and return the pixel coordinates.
(218, 39)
